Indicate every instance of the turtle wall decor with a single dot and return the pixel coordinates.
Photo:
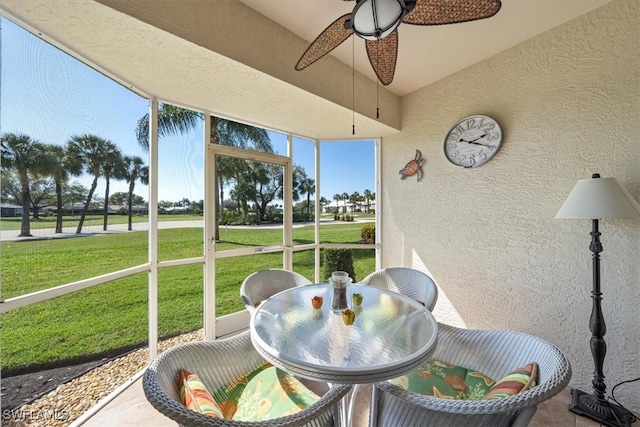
(414, 167)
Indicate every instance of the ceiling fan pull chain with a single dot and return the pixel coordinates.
(378, 89)
(353, 86)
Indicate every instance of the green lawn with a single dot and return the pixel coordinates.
(114, 316)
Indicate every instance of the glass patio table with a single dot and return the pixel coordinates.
(391, 335)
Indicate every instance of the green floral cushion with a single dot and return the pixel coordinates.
(195, 395)
(446, 381)
(518, 380)
(263, 394)
(227, 397)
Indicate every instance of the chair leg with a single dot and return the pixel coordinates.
(352, 403)
(373, 411)
(524, 417)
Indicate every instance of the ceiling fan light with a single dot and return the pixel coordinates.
(376, 19)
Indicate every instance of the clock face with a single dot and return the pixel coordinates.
(473, 141)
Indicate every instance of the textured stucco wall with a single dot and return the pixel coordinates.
(569, 105)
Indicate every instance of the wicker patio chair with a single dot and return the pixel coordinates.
(218, 363)
(407, 281)
(493, 352)
(260, 285)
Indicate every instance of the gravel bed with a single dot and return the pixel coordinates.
(70, 400)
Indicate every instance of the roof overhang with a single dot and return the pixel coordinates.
(220, 57)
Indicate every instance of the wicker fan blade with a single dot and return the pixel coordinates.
(383, 55)
(329, 39)
(438, 12)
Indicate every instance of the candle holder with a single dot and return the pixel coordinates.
(340, 281)
(348, 317)
(316, 302)
(357, 299)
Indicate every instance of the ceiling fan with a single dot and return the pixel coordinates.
(377, 21)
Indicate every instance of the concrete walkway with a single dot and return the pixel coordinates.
(92, 230)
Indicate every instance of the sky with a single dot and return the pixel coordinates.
(50, 96)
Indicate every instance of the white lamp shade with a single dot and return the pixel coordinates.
(597, 198)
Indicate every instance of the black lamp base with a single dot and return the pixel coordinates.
(588, 405)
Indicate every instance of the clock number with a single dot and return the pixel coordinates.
(489, 126)
(471, 162)
(470, 123)
(493, 136)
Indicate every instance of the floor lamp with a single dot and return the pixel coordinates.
(598, 198)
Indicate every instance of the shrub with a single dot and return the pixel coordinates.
(303, 216)
(338, 260)
(368, 233)
(236, 218)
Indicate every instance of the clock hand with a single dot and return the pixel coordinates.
(473, 140)
(480, 143)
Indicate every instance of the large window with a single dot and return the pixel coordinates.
(74, 285)
(112, 240)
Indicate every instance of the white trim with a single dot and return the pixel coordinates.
(316, 233)
(152, 304)
(40, 296)
(287, 216)
(180, 262)
(232, 323)
(347, 246)
(210, 220)
(377, 161)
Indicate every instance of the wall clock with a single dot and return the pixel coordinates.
(473, 141)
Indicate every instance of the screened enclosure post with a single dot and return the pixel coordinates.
(316, 232)
(210, 219)
(377, 204)
(153, 228)
(287, 219)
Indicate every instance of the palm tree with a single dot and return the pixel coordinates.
(308, 187)
(174, 120)
(26, 156)
(134, 169)
(61, 166)
(323, 202)
(367, 198)
(355, 198)
(227, 166)
(91, 150)
(337, 197)
(345, 197)
(112, 166)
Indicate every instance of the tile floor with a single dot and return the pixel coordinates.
(131, 408)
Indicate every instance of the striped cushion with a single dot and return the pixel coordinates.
(518, 380)
(195, 396)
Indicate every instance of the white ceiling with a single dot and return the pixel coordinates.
(428, 53)
(252, 75)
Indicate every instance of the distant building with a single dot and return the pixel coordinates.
(124, 209)
(7, 210)
(349, 208)
(175, 209)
